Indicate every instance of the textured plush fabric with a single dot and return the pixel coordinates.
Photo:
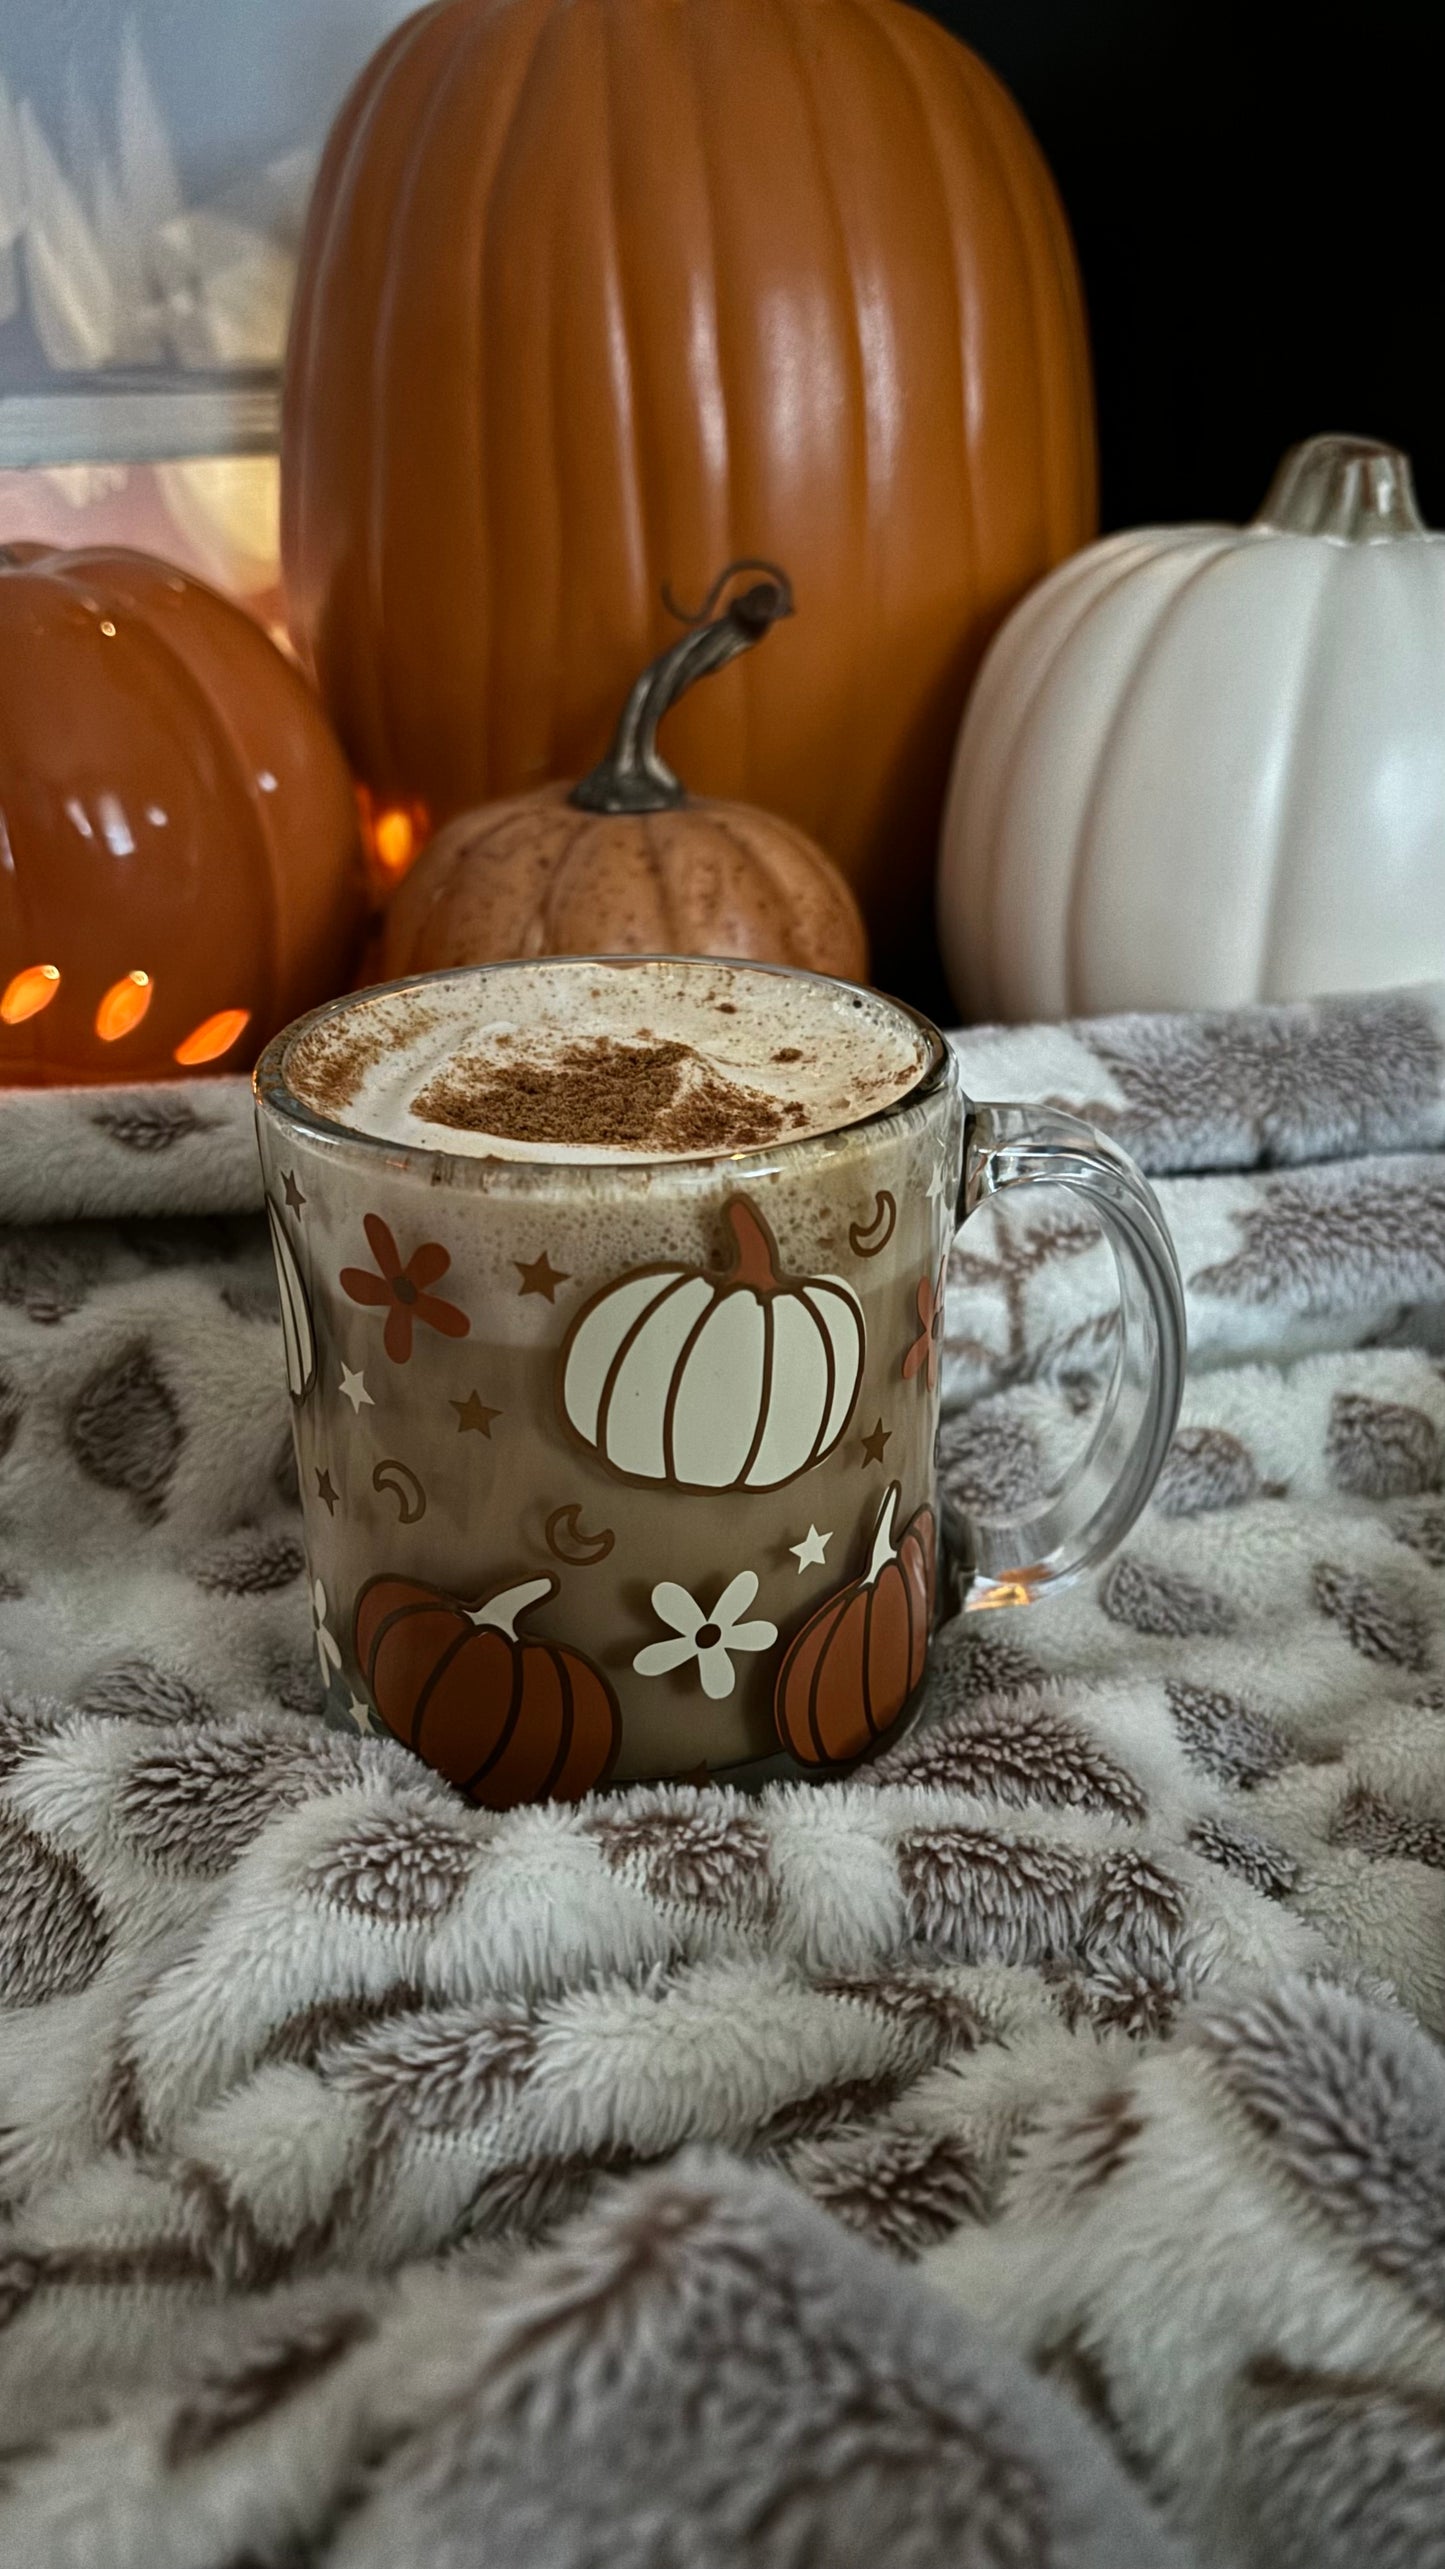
(1031, 2152)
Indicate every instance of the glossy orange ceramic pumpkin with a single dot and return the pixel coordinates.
(505, 1718)
(595, 294)
(850, 1671)
(180, 867)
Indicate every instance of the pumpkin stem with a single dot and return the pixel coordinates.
(884, 1547)
(500, 1613)
(633, 777)
(1352, 488)
(755, 1251)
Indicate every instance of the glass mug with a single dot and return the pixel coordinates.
(616, 1471)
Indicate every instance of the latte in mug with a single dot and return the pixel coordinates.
(613, 1305)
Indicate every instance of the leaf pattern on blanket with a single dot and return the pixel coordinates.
(1228, 1737)
(124, 1429)
(1267, 1083)
(1328, 1238)
(151, 1121)
(1353, 2114)
(1382, 1449)
(1160, 1602)
(1206, 1468)
(53, 1939)
(1376, 1620)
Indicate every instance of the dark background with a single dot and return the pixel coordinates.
(1258, 201)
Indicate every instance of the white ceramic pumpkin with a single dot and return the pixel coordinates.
(734, 1381)
(1206, 764)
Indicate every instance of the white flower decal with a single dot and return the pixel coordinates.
(327, 1649)
(709, 1638)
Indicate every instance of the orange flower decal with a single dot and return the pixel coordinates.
(925, 1347)
(401, 1291)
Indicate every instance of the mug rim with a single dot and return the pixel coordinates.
(274, 1096)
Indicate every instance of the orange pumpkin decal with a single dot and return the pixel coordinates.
(505, 1719)
(180, 861)
(850, 1671)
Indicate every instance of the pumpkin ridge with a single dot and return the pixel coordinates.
(851, 717)
(829, 1635)
(893, 27)
(674, 1385)
(985, 97)
(230, 750)
(503, 1740)
(381, 1579)
(869, 1596)
(567, 1726)
(985, 896)
(682, 1276)
(765, 1391)
(820, 1445)
(843, 1294)
(556, 872)
(831, 1607)
(378, 514)
(433, 1679)
(1082, 853)
(831, 889)
(414, 1605)
(211, 727)
(1311, 669)
(335, 186)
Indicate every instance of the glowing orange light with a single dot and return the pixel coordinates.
(394, 838)
(123, 1006)
(214, 1037)
(29, 992)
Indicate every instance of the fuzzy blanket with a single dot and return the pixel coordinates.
(1028, 2155)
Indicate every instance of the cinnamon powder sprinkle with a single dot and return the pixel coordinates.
(600, 1095)
(328, 1067)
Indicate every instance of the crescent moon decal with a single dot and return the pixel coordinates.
(865, 1239)
(564, 1528)
(402, 1483)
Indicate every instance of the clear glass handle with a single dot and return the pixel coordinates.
(1008, 1561)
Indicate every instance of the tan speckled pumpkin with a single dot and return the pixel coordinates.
(627, 862)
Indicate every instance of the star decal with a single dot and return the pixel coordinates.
(940, 1186)
(873, 1445)
(473, 1414)
(327, 1492)
(812, 1551)
(352, 1387)
(363, 1716)
(540, 1276)
(292, 1192)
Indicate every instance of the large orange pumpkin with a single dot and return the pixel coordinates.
(850, 1671)
(504, 1718)
(595, 294)
(180, 866)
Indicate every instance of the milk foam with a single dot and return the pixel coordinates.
(822, 1053)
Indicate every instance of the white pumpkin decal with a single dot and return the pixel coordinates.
(731, 1381)
(298, 1337)
(1206, 764)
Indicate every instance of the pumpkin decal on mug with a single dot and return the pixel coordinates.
(505, 1718)
(851, 1669)
(732, 1380)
